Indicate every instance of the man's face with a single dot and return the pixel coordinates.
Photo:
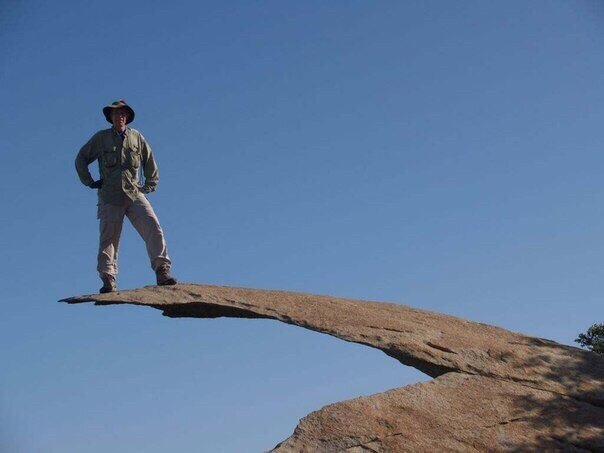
(119, 118)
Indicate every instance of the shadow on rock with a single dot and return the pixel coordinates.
(570, 422)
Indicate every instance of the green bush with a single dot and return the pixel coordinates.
(593, 339)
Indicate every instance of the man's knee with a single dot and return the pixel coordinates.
(143, 217)
(109, 232)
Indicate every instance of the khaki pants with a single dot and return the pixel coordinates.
(141, 215)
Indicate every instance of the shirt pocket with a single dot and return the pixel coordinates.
(134, 156)
(110, 157)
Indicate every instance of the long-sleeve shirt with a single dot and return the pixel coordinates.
(120, 159)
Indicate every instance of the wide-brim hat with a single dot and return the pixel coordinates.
(118, 105)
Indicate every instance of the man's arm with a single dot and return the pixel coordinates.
(150, 170)
(88, 154)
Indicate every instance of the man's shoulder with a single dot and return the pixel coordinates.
(136, 133)
(102, 133)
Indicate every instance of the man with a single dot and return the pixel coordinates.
(121, 153)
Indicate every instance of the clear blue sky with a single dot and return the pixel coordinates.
(445, 155)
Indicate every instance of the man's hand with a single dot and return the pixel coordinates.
(146, 189)
(96, 184)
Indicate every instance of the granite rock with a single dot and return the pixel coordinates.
(493, 389)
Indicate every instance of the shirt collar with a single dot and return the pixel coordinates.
(121, 134)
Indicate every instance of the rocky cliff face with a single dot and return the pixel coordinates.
(492, 389)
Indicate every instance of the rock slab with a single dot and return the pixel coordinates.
(493, 389)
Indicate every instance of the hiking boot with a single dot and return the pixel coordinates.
(163, 276)
(108, 284)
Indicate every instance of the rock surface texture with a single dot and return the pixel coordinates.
(493, 390)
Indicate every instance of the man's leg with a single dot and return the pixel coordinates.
(144, 220)
(110, 228)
